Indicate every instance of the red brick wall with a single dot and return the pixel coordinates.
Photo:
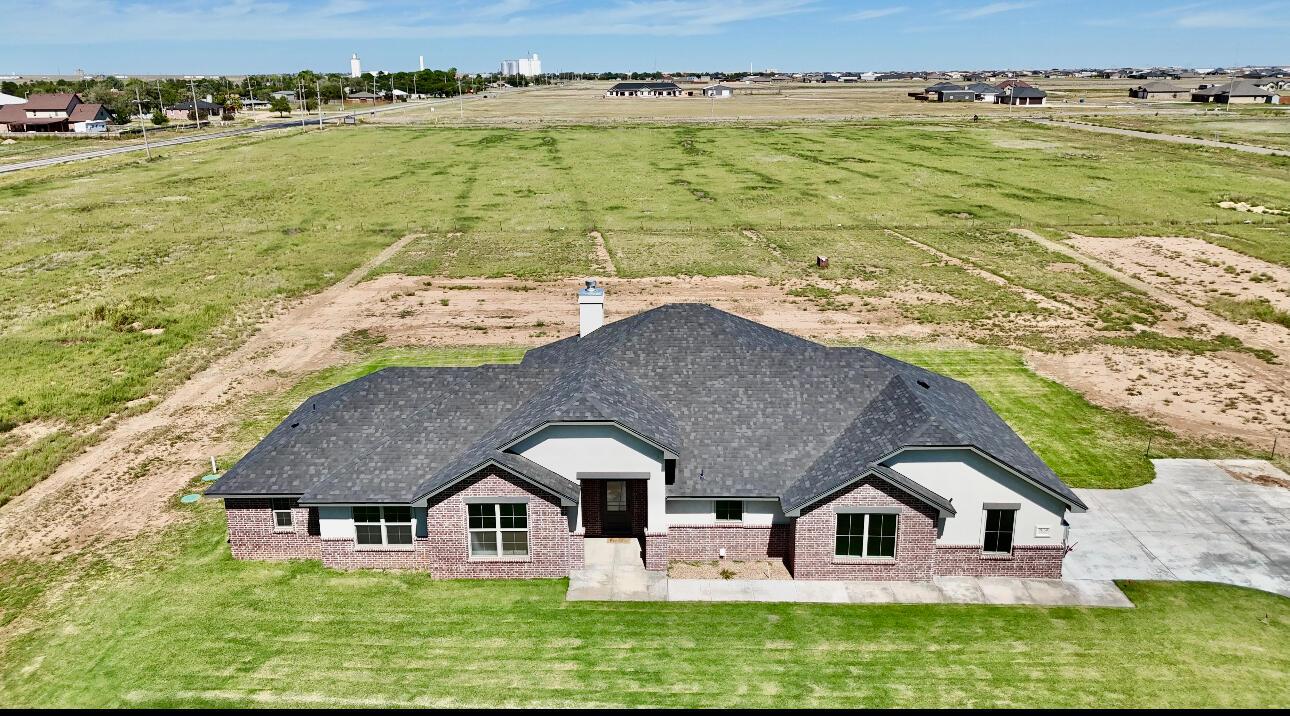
(593, 500)
(251, 534)
(638, 505)
(1037, 562)
(656, 550)
(815, 531)
(740, 541)
(449, 542)
(345, 554)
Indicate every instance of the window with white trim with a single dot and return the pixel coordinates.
(499, 529)
(282, 518)
(730, 510)
(377, 526)
(998, 531)
(862, 534)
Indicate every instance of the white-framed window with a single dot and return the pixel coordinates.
(999, 524)
(730, 510)
(498, 529)
(379, 526)
(866, 535)
(282, 517)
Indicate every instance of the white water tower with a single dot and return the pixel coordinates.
(355, 67)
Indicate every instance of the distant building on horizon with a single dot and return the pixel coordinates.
(355, 67)
(525, 66)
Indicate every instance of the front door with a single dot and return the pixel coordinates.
(617, 521)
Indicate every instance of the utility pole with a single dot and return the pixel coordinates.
(320, 112)
(196, 112)
(139, 101)
(461, 110)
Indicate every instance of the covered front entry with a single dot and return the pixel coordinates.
(615, 506)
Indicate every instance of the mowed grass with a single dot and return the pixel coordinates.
(119, 277)
(1267, 128)
(188, 626)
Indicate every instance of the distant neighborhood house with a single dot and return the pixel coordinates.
(181, 109)
(719, 91)
(1159, 90)
(645, 89)
(1008, 92)
(60, 112)
(1235, 92)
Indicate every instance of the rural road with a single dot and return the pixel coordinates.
(139, 147)
(1176, 139)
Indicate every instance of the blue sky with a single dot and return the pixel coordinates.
(239, 36)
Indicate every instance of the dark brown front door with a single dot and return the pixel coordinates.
(616, 519)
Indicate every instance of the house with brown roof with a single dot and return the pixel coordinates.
(1159, 90)
(60, 112)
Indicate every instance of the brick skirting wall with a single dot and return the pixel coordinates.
(1034, 561)
(739, 541)
(657, 548)
(345, 554)
(251, 533)
(814, 533)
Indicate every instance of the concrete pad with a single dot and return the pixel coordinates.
(961, 590)
(1005, 590)
(916, 593)
(944, 590)
(1194, 522)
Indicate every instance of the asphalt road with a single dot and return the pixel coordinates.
(311, 121)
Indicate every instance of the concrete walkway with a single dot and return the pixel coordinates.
(614, 572)
(942, 590)
(1174, 138)
(1193, 522)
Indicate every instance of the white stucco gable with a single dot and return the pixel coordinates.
(573, 449)
(972, 481)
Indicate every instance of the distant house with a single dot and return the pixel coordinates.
(284, 93)
(644, 89)
(719, 91)
(181, 110)
(983, 92)
(60, 112)
(362, 97)
(1158, 90)
(253, 104)
(1234, 92)
(932, 93)
(1008, 84)
(1022, 95)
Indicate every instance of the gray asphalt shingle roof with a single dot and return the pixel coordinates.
(749, 410)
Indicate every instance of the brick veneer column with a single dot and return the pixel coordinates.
(656, 551)
(816, 529)
(593, 500)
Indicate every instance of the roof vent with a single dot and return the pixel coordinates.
(924, 384)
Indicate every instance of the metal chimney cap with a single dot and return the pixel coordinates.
(591, 289)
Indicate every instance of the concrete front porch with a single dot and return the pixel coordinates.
(941, 590)
(614, 572)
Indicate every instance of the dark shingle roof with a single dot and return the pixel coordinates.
(624, 86)
(749, 410)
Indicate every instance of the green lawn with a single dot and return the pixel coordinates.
(119, 277)
(187, 626)
(1267, 128)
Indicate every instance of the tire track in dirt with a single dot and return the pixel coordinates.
(603, 261)
(123, 484)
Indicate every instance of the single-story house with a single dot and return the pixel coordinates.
(56, 112)
(645, 89)
(181, 109)
(1007, 84)
(983, 92)
(719, 91)
(251, 104)
(1022, 95)
(698, 434)
(933, 92)
(954, 94)
(288, 94)
(363, 97)
(1237, 92)
(1158, 90)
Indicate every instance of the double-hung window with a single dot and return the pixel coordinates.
(998, 531)
(730, 510)
(383, 526)
(282, 521)
(866, 535)
(499, 529)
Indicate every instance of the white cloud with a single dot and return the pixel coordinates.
(1258, 17)
(994, 8)
(875, 13)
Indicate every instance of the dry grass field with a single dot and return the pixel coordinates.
(584, 102)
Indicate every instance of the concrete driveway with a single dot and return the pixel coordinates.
(1195, 521)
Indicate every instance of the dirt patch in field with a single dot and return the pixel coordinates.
(1193, 269)
(600, 255)
(26, 434)
(1192, 394)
